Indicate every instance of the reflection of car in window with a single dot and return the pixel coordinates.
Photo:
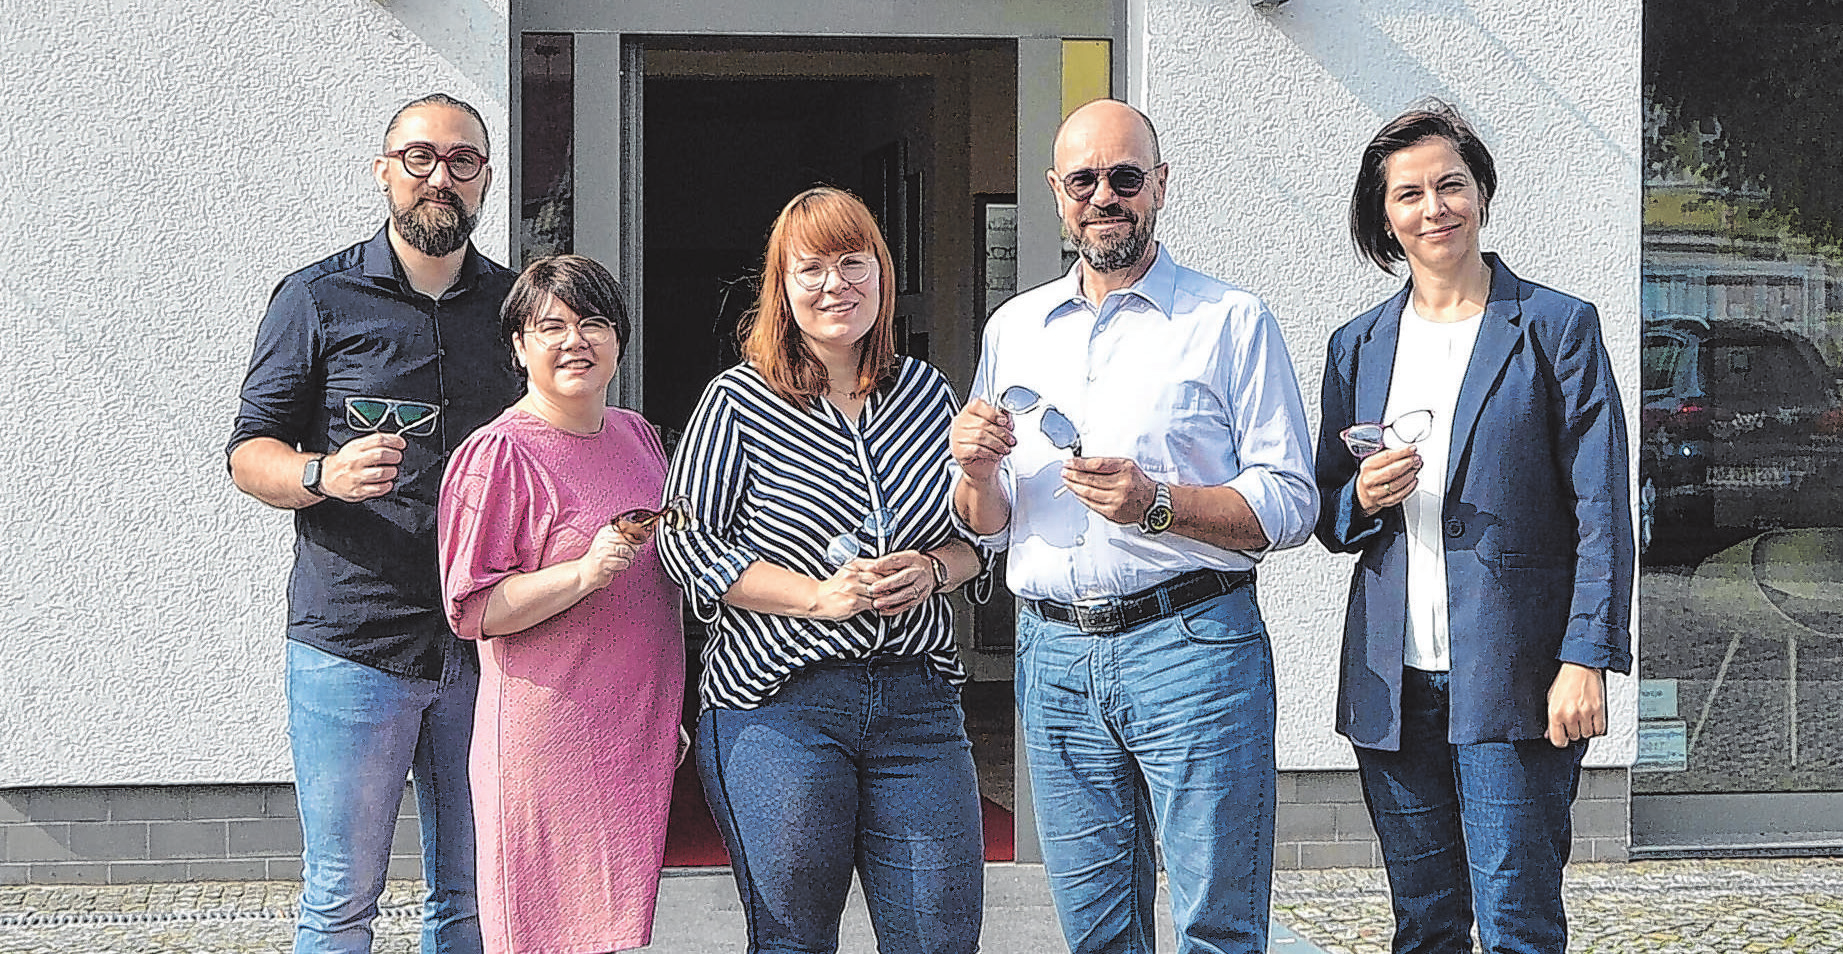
(1741, 428)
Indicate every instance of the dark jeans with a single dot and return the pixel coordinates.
(1479, 830)
(864, 765)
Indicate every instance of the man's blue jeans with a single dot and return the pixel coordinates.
(1166, 729)
(1471, 828)
(859, 764)
(356, 733)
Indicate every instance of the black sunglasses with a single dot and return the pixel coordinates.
(1125, 180)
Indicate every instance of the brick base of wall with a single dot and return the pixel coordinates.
(140, 834)
(1323, 823)
(252, 832)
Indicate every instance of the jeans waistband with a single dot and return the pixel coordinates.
(1136, 609)
(871, 661)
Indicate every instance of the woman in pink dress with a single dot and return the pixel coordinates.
(576, 733)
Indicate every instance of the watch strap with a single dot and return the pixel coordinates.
(312, 474)
(940, 571)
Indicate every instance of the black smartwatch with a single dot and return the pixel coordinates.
(310, 475)
(1158, 517)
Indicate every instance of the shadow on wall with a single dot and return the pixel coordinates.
(1355, 48)
(455, 30)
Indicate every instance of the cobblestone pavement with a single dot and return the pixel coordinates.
(1661, 907)
(1647, 907)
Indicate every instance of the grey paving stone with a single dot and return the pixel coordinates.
(226, 802)
(64, 805)
(187, 839)
(109, 841)
(264, 837)
(38, 842)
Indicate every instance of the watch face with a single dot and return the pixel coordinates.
(310, 474)
(1158, 519)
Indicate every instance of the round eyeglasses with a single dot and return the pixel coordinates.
(811, 273)
(419, 159)
(1124, 179)
(1366, 439)
(554, 333)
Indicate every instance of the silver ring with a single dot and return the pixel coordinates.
(1385, 488)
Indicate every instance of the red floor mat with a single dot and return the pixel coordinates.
(692, 839)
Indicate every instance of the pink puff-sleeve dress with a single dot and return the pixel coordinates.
(576, 728)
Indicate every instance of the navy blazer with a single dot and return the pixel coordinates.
(1537, 517)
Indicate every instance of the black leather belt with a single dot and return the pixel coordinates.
(1137, 609)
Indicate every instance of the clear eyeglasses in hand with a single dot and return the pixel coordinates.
(1056, 425)
(374, 414)
(866, 540)
(1366, 439)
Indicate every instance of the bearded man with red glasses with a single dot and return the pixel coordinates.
(369, 368)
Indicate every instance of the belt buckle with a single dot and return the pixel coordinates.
(1102, 615)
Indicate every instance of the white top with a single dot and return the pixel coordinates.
(1430, 363)
(1186, 375)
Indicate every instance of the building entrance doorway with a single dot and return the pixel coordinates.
(732, 129)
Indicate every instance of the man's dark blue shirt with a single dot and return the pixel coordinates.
(366, 583)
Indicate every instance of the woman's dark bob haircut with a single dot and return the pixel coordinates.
(1433, 119)
(581, 283)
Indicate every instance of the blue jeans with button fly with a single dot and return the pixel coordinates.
(1478, 831)
(356, 734)
(1165, 731)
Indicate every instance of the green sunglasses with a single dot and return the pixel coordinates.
(373, 414)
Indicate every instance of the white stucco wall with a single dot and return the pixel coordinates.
(162, 166)
(1263, 116)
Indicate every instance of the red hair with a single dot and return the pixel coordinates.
(819, 221)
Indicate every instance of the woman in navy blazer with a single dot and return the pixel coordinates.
(1484, 486)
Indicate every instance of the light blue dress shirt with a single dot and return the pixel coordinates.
(1186, 375)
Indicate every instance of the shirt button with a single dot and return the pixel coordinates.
(1455, 527)
(1080, 539)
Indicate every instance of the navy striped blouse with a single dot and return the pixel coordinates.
(773, 482)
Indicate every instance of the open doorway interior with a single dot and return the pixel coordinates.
(923, 130)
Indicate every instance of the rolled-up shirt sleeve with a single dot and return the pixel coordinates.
(709, 470)
(1271, 438)
(277, 399)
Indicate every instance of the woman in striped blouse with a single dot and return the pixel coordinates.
(819, 552)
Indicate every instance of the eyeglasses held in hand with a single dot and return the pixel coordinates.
(419, 159)
(375, 414)
(553, 333)
(866, 540)
(1366, 439)
(811, 273)
(1056, 426)
(637, 524)
(1125, 180)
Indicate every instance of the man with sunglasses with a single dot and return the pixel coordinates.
(369, 368)
(1144, 675)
